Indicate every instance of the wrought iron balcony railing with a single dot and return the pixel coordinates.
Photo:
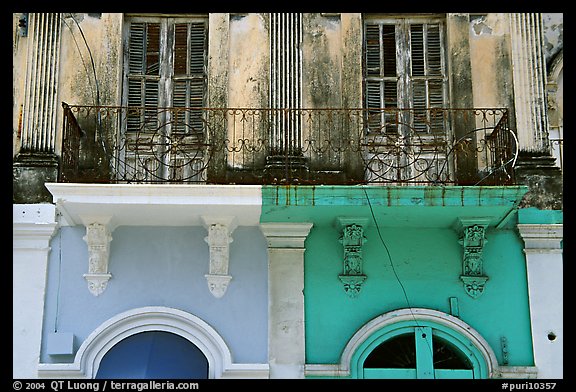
(287, 146)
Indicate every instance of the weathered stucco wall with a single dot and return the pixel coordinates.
(553, 31)
(249, 64)
(490, 61)
(88, 38)
(19, 51)
(321, 58)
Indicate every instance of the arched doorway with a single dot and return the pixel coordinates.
(418, 351)
(418, 343)
(154, 355)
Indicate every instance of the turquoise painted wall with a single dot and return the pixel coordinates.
(426, 257)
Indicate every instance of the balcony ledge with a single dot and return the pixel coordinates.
(154, 204)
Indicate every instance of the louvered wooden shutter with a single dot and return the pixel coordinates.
(143, 74)
(426, 76)
(381, 76)
(189, 74)
(403, 67)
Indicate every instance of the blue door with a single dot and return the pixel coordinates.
(154, 355)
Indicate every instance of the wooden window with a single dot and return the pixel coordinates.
(404, 68)
(166, 68)
(165, 73)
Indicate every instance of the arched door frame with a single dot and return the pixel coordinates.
(383, 327)
(150, 318)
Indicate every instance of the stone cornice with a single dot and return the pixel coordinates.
(541, 236)
(33, 225)
(286, 235)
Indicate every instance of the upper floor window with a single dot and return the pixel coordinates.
(165, 89)
(165, 66)
(404, 67)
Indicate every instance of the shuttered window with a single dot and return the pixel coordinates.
(404, 68)
(165, 73)
(166, 68)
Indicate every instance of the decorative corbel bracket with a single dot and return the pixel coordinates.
(219, 238)
(473, 238)
(98, 237)
(352, 239)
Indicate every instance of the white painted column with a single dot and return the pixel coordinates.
(529, 75)
(33, 227)
(40, 103)
(545, 284)
(286, 340)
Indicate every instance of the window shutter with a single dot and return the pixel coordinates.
(427, 76)
(433, 46)
(143, 78)
(417, 50)
(189, 74)
(381, 76)
(372, 50)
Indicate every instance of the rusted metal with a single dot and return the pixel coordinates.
(336, 146)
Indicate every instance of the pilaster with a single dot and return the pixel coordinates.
(36, 162)
(286, 342)
(33, 227)
(529, 76)
(544, 265)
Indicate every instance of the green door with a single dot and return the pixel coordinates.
(418, 352)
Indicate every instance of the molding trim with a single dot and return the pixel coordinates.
(541, 237)
(411, 314)
(286, 235)
(500, 372)
(33, 226)
(153, 318)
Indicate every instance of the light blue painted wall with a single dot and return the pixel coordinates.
(160, 266)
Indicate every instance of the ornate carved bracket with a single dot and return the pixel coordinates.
(352, 239)
(98, 237)
(219, 239)
(473, 240)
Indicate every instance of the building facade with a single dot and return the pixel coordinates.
(287, 195)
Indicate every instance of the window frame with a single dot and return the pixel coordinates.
(404, 64)
(431, 329)
(166, 71)
(163, 129)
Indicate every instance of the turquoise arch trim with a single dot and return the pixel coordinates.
(443, 325)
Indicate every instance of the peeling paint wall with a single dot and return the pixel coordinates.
(91, 58)
(19, 52)
(321, 52)
(553, 31)
(92, 46)
(490, 61)
(249, 65)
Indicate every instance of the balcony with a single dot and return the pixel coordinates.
(126, 145)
